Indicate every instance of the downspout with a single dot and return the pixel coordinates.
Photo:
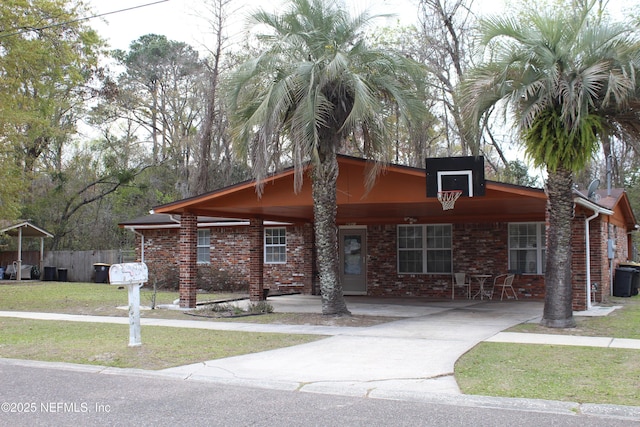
(588, 255)
(597, 210)
(141, 242)
(141, 245)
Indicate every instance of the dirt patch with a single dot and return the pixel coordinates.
(322, 320)
(312, 319)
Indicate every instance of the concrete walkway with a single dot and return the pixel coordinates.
(413, 355)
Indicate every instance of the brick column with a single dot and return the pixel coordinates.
(188, 257)
(256, 262)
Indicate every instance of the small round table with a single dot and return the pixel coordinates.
(481, 278)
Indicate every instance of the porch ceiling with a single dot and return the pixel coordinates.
(398, 195)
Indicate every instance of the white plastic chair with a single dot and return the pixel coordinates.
(460, 280)
(504, 282)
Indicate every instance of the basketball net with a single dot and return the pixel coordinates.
(448, 198)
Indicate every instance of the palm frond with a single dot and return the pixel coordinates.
(556, 67)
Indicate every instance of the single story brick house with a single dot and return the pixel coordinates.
(394, 240)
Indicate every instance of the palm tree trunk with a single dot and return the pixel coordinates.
(325, 207)
(558, 312)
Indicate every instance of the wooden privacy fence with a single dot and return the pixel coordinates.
(79, 265)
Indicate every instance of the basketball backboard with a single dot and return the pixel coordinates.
(455, 173)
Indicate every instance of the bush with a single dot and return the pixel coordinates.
(231, 310)
(213, 280)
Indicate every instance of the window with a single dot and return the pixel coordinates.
(204, 246)
(424, 249)
(527, 247)
(275, 245)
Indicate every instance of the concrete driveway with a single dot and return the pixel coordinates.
(415, 354)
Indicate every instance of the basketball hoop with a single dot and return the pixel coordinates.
(448, 198)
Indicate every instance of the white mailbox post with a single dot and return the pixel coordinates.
(134, 275)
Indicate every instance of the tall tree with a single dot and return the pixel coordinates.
(212, 124)
(162, 89)
(570, 81)
(316, 84)
(48, 57)
(70, 204)
(424, 139)
(445, 27)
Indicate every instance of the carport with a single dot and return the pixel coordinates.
(22, 230)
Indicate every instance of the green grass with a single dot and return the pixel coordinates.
(578, 374)
(621, 323)
(107, 344)
(80, 298)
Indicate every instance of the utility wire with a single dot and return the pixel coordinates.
(26, 30)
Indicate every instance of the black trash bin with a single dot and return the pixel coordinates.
(635, 281)
(102, 272)
(622, 282)
(49, 274)
(62, 275)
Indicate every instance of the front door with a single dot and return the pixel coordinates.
(353, 266)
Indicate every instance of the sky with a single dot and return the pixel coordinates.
(174, 18)
(184, 20)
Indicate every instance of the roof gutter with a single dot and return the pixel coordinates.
(201, 225)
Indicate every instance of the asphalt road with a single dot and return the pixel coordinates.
(64, 396)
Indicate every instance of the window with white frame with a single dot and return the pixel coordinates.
(424, 249)
(527, 247)
(204, 246)
(275, 245)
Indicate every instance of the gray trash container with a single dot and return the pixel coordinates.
(622, 282)
(102, 272)
(635, 281)
(49, 274)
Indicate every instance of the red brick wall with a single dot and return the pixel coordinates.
(161, 256)
(297, 273)
(477, 249)
(600, 278)
(229, 258)
(622, 244)
(229, 268)
(599, 234)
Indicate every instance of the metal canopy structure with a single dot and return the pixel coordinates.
(22, 230)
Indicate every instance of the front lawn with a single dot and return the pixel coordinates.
(107, 344)
(81, 298)
(578, 374)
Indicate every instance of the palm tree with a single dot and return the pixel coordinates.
(569, 80)
(315, 85)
